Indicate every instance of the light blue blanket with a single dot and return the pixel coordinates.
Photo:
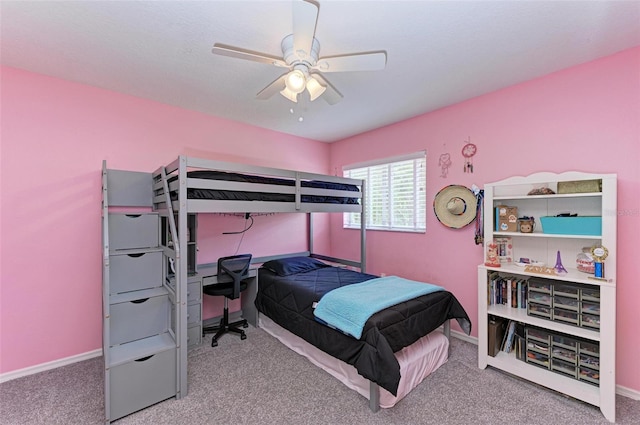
(349, 307)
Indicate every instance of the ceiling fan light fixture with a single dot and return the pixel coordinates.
(301, 56)
(315, 88)
(295, 81)
(289, 95)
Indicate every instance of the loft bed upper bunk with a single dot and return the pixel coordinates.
(216, 186)
(195, 185)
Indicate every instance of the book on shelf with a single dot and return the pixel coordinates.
(507, 290)
(508, 339)
(496, 329)
(519, 342)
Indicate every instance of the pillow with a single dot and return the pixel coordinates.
(293, 265)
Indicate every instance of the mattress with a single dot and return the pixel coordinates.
(417, 361)
(288, 301)
(233, 195)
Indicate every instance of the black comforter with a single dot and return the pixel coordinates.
(288, 301)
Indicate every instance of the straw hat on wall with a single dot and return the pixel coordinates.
(455, 206)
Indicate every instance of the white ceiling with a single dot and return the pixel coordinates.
(438, 52)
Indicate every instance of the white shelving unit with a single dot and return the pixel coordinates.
(543, 247)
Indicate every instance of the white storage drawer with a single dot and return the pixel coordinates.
(129, 231)
(139, 319)
(194, 292)
(133, 272)
(142, 382)
(194, 335)
(194, 313)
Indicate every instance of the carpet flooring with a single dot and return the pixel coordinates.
(260, 381)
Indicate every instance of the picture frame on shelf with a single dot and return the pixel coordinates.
(504, 248)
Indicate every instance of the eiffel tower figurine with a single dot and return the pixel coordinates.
(559, 267)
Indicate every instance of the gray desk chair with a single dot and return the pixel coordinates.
(232, 279)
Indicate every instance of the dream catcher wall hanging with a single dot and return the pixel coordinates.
(468, 151)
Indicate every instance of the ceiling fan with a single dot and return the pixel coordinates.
(300, 55)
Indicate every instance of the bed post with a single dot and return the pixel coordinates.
(363, 228)
(446, 329)
(181, 278)
(310, 226)
(374, 396)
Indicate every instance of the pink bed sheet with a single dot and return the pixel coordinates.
(416, 361)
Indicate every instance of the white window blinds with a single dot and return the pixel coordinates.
(396, 193)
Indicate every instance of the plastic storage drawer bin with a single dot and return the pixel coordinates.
(565, 290)
(587, 225)
(589, 375)
(590, 321)
(537, 351)
(591, 294)
(564, 342)
(540, 285)
(589, 349)
(564, 368)
(566, 316)
(564, 354)
(539, 310)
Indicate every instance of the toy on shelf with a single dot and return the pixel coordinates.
(526, 224)
(492, 259)
(559, 267)
(541, 191)
(584, 261)
(529, 268)
(599, 253)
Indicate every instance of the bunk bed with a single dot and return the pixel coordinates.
(191, 185)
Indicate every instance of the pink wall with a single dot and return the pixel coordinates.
(54, 136)
(586, 118)
(57, 133)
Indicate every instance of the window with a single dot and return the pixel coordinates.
(395, 193)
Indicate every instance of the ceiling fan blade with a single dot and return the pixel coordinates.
(236, 52)
(373, 61)
(305, 16)
(272, 88)
(331, 95)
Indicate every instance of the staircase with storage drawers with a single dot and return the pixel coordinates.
(141, 352)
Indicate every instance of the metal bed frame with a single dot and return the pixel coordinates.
(165, 183)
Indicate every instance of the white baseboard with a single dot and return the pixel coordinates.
(620, 390)
(8, 376)
(463, 336)
(4, 377)
(628, 392)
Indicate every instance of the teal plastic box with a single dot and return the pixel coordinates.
(587, 225)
